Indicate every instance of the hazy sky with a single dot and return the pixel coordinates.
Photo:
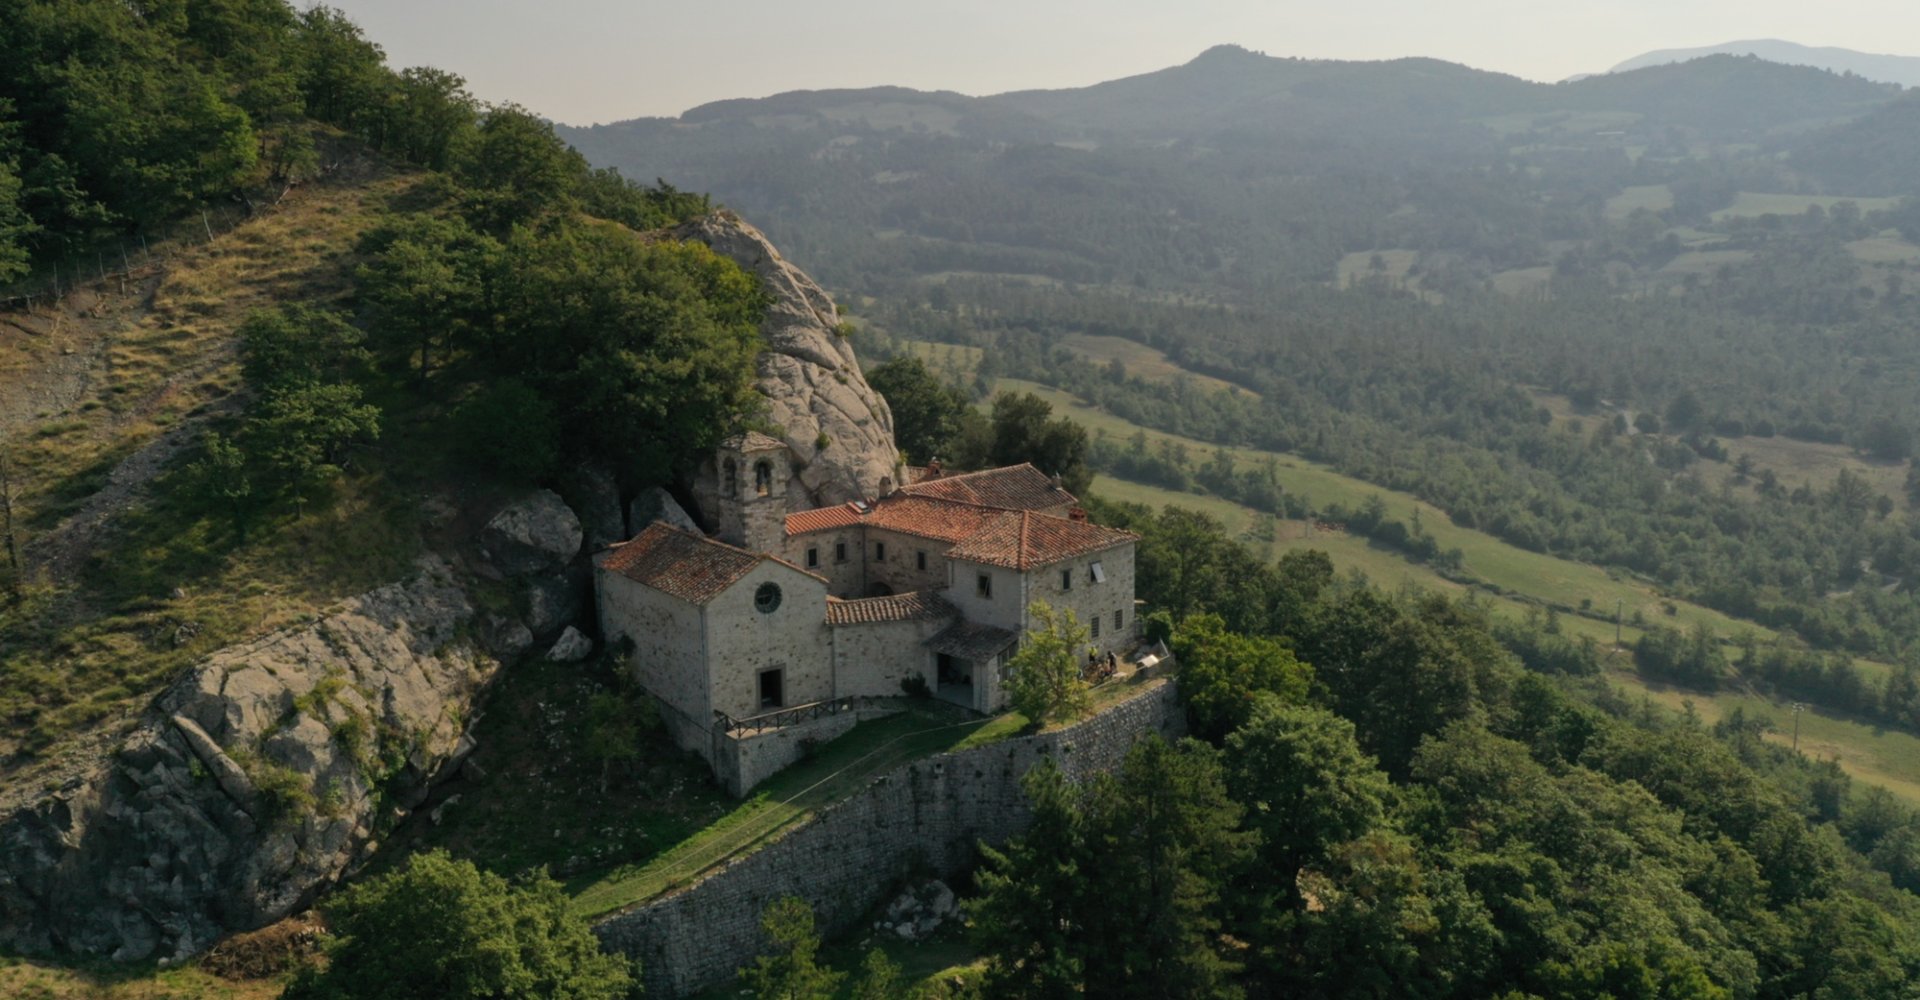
(583, 61)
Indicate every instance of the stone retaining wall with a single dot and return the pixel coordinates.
(928, 815)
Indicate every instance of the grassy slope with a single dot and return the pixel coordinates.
(154, 588)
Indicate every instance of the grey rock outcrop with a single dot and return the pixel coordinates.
(571, 647)
(657, 504)
(254, 782)
(534, 534)
(555, 600)
(814, 387)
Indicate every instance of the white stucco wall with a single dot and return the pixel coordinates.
(1005, 609)
(742, 641)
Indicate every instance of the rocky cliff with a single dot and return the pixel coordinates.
(838, 428)
(253, 783)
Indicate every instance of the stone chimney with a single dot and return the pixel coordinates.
(1077, 514)
(1058, 486)
(933, 468)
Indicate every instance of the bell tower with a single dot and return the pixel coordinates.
(754, 470)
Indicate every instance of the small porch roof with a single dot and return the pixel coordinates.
(971, 641)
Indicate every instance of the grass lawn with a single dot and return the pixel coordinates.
(834, 771)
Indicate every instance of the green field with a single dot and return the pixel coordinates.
(1505, 567)
(1358, 266)
(956, 363)
(1749, 204)
(1875, 755)
(1516, 580)
(1652, 197)
(1142, 361)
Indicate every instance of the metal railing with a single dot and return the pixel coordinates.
(782, 717)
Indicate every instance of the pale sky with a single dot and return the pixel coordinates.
(587, 61)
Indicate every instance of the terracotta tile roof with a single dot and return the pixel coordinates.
(930, 517)
(752, 441)
(823, 519)
(1022, 540)
(1015, 487)
(686, 565)
(920, 605)
(971, 640)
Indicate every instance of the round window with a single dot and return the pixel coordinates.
(767, 598)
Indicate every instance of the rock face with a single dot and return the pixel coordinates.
(253, 783)
(532, 535)
(813, 384)
(656, 504)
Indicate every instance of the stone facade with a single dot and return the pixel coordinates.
(929, 815)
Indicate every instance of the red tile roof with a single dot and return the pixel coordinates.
(823, 519)
(930, 517)
(1022, 540)
(1015, 487)
(686, 565)
(920, 605)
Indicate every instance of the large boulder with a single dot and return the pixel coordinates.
(555, 600)
(814, 387)
(534, 534)
(252, 784)
(657, 504)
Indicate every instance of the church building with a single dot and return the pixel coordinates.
(787, 623)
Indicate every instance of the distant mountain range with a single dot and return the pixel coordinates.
(1903, 70)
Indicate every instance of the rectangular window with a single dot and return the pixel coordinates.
(1116, 621)
(839, 552)
(879, 552)
(920, 559)
(1096, 627)
(984, 585)
(773, 685)
(1097, 573)
(1066, 579)
(813, 556)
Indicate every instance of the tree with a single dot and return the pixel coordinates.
(1161, 839)
(1306, 785)
(9, 541)
(220, 480)
(1224, 675)
(1044, 678)
(879, 978)
(927, 413)
(422, 287)
(1026, 919)
(644, 349)
(1023, 431)
(297, 345)
(791, 971)
(301, 435)
(516, 169)
(442, 928)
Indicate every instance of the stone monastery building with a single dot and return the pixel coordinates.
(774, 632)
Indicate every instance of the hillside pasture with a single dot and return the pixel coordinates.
(1357, 266)
(1142, 361)
(1752, 204)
